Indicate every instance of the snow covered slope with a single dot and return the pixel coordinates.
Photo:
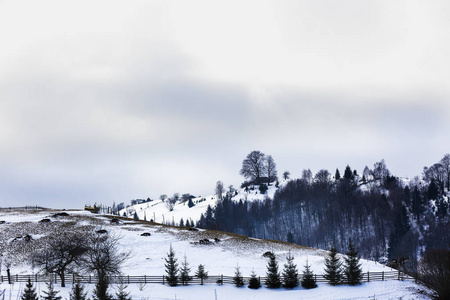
(220, 257)
(158, 212)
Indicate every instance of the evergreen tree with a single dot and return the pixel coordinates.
(78, 292)
(181, 222)
(290, 273)
(50, 293)
(337, 175)
(135, 216)
(121, 294)
(333, 267)
(290, 237)
(100, 291)
(29, 293)
(308, 280)
(184, 272)
(273, 280)
(201, 273)
(352, 267)
(348, 174)
(171, 268)
(190, 203)
(254, 282)
(238, 280)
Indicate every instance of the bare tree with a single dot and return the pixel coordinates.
(105, 259)
(434, 271)
(170, 203)
(437, 173)
(163, 197)
(380, 171)
(61, 252)
(253, 166)
(271, 170)
(219, 190)
(445, 161)
(307, 176)
(286, 175)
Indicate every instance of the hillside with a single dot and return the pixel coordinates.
(158, 212)
(219, 257)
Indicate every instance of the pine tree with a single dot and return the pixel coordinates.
(100, 291)
(184, 272)
(238, 280)
(333, 267)
(51, 294)
(29, 293)
(352, 267)
(254, 282)
(121, 294)
(171, 268)
(78, 292)
(201, 273)
(337, 175)
(308, 280)
(273, 280)
(290, 273)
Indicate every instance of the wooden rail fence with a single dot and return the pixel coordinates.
(144, 279)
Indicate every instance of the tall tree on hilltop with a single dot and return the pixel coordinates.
(253, 166)
(271, 170)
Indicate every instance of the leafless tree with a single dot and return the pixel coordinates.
(286, 175)
(253, 166)
(271, 169)
(104, 258)
(170, 203)
(62, 250)
(445, 162)
(307, 176)
(437, 173)
(434, 271)
(219, 190)
(380, 171)
(163, 197)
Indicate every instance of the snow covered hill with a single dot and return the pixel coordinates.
(220, 256)
(158, 211)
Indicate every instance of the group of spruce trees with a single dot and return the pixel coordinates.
(336, 272)
(77, 293)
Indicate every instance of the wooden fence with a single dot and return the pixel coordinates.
(218, 279)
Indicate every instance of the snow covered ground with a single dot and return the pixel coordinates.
(157, 210)
(220, 257)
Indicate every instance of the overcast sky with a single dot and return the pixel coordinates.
(108, 101)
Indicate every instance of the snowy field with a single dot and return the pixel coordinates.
(225, 252)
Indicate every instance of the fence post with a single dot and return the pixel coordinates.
(382, 276)
(201, 280)
(128, 279)
(73, 278)
(368, 276)
(89, 278)
(35, 277)
(221, 279)
(163, 279)
(398, 274)
(145, 279)
(56, 279)
(17, 278)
